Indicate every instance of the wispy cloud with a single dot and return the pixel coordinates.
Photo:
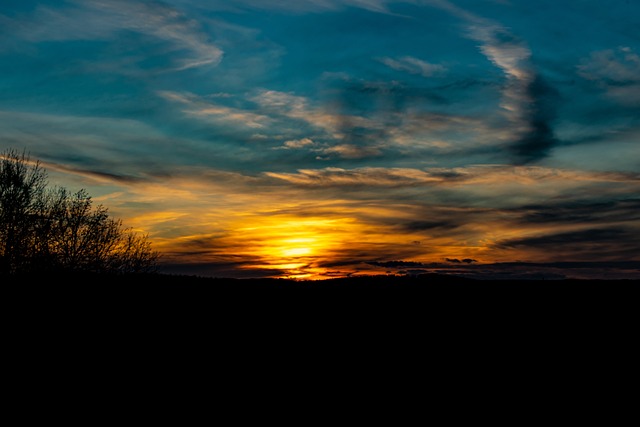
(104, 20)
(258, 109)
(602, 244)
(473, 175)
(527, 98)
(351, 151)
(616, 71)
(299, 6)
(414, 66)
(300, 108)
(201, 107)
(298, 143)
(279, 115)
(378, 177)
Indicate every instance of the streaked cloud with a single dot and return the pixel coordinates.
(617, 71)
(482, 174)
(208, 109)
(527, 98)
(300, 108)
(414, 66)
(105, 20)
(366, 176)
(300, 6)
(604, 244)
(298, 143)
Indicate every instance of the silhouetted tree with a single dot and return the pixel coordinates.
(50, 229)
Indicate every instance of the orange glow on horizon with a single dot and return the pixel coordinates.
(292, 245)
(316, 241)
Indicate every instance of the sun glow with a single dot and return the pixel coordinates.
(292, 246)
(297, 247)
(326, 243)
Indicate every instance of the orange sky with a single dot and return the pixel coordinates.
(334, 222)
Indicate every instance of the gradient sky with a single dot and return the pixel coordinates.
(318, 138)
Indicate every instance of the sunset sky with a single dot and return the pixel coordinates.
(322, 138)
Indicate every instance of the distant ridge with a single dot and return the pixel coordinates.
(201, 307)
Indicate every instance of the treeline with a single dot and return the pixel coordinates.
(49, 229)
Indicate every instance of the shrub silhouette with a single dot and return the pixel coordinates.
(45, 229)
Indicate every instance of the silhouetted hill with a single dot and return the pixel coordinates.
(409, 290)
(200, 313)
(360, 283)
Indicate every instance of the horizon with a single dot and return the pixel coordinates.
(333, 138)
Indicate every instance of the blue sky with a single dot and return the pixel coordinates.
(324, 137)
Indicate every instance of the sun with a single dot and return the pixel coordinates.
(295, 252)
(293, 246)
(297, 247)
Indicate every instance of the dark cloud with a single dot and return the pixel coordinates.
(379, 101)
(390, 96)
(429, 225)
(338, 263)
(539, 139)
(582, 213)
(529, 102)
(220, 270)
(383, 105)
(460, 261)
(606, 270)
(94, 173)
(570, 238)
(613, 243)
(396, 264)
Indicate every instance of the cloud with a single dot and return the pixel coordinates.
(201, 107)
(459, 261)
(617, 66)
(608, 243)
(298, 143)
(528, 101)
(487, 175)
(422, 225)
(510, 271)
(376, 177)
(86, 142)
(351, 151)
(277, 115)
(187, 43)
(296, 107)
(582, 212)
(616, 71)
(299, 6)
(396, 264)
(372, 117)
(358, 121)
(206, 215)
(414, 66)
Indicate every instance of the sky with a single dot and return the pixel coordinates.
(327, 138)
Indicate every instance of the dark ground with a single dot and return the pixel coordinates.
(415, 294)
(398, 325)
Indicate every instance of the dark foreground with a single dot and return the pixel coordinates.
(156, 282)
(179, 312)
(424, 292)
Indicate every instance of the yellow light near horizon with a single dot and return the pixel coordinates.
(295, 252)
(296, 247)
(304, 245)
(291, 243)
(290, 266)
